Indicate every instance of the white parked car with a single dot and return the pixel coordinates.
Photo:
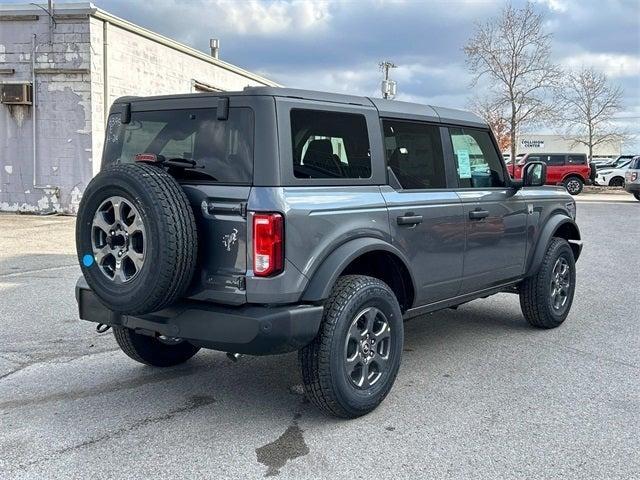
(613, 177)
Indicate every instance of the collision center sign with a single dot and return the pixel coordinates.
(532, 143)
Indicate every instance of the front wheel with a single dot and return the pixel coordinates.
(637, 195)
(157, 352)
(616, 182)
(546, 297)
(351, 365)
(574, 185)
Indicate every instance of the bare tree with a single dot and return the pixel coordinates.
(493, 113)
(588, 105)
(512, 53)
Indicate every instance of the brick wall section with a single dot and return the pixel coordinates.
(63, 128)
(71, 106)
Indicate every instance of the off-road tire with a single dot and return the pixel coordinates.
(151, 351)
(569, 183)
(325, 382)
(535, 294)
(171, 236)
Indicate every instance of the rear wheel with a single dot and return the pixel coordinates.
(352, 364)
(616, 182)
(637, 195)
(154, 351)
(546, 297)
(574, 185)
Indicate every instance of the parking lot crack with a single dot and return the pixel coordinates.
(195, 402)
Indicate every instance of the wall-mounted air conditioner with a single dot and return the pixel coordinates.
(16, 93)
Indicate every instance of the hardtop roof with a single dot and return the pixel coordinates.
(386, 108)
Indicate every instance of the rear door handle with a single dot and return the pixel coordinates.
(478, 214)
(409, 219)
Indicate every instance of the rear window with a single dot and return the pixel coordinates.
(329, 145)
(221, 149)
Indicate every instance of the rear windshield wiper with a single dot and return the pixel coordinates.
(173, 163)
(162, 160)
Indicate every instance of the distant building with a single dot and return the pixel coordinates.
(59, 73)
(537, 143)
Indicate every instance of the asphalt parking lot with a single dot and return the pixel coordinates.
(480, 394)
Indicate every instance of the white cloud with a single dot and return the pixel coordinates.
(269, 18)
(555, 5)
(613, 65)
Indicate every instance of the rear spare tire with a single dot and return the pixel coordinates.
(136, 238)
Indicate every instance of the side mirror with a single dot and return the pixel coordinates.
(534, 174)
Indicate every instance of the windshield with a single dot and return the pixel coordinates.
(221, 149)
(622, 163)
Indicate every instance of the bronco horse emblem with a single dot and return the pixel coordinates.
(230, 239)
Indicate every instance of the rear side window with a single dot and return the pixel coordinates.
(414, 153)
(329, 144)
(477, 161)
(577, 159)
(635, 164)
(222, 150)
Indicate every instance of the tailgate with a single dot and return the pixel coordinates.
(220, 213)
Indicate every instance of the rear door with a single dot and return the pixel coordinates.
(217, 185)
(495, 215)
(426, 219)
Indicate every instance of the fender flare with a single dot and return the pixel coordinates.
(546, 234)
(322, 280)
(574, 174)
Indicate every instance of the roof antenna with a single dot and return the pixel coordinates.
(388, 87)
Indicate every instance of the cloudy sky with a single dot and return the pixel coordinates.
(336, 45)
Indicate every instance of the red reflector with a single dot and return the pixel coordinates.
(146, 157)
(268, 244)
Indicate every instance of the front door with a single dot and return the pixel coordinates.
(495, 214)
(426, 219)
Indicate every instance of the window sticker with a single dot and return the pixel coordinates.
(464, 164)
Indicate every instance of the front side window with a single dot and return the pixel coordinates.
(329, 145)
(221, 149)
(477, 161)
(414, 153)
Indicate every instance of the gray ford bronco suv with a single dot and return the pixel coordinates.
(273, 220)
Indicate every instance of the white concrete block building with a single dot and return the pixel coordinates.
(60, 70)
(544, 143)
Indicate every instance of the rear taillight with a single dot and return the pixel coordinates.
(634, 176)
(268, 244)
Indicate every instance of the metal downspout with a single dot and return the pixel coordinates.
(34, 98)
(105, 71)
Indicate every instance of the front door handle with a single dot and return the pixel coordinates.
(409, 219)
(478, 214)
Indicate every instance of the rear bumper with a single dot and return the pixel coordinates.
(632, 187)
(250, 329)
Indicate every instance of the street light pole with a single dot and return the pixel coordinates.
(389, 87)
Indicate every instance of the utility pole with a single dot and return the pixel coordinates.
(388, 87)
